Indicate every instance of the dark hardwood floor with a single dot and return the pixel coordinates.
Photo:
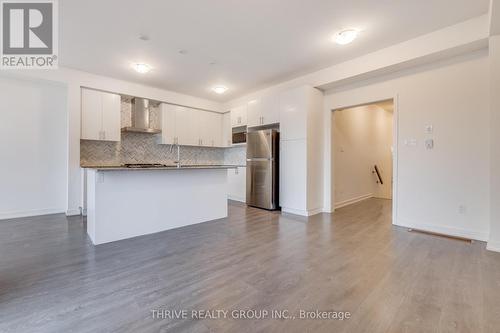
(52, 279)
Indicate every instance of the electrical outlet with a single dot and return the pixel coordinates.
(462, 209)
(429, 129)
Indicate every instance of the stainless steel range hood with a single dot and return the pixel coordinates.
(141, 117)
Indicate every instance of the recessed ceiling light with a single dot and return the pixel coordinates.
(346, 36)
(219, 89)
(141, 68)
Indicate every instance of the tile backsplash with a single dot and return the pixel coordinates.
(235, 155)
(143, 148)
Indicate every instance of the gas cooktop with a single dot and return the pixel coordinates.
(144, 165)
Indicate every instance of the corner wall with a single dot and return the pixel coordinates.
(494, 241)
(445, 189)
(33, 148)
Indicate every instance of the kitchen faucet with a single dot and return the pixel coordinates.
(178, 161)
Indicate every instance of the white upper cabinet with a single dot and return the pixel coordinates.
(190, 127)
(227, 132)
(270, 109)
(216, 129)
(293, 107)
(91, 115)
(168, 123)
(210, 125)
(254, 114)
(187, 126)
(239, 116)
(111, 116)
(100, 116)
(263, 111)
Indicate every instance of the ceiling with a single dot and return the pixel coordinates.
(245, 45)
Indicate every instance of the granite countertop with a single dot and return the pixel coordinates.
(166, 167)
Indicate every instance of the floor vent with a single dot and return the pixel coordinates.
(463, 239)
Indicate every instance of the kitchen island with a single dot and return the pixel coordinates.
(126, 202)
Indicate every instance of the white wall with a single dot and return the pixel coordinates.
(433, 184)
(74, 80)
(33, 146)
(362, 138)
(494, 241)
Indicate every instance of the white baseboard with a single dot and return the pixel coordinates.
(446, 230)
(301, 212)
(315, 211)
(352, 200)
(493, 246)
(294, 211)
(29, 213)
(73, 212)
(230, 197)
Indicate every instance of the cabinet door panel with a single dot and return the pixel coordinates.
(270, 109)
(254, 113)
(91, 115)
(168, 121)
(293, 174)
(205, 128)
(226, 130)
(216, 129)
(293, 115)
(236, 179)
(239, 116)
(111, 106)
(187, 126)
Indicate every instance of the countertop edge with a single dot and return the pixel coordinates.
(119, 168)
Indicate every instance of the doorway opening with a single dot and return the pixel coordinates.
(363, 145)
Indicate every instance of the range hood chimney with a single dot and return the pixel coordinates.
(140, 117)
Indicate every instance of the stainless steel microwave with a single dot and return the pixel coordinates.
(239, 135)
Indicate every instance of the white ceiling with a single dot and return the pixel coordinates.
(253, 43)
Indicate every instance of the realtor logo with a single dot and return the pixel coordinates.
(29, 34)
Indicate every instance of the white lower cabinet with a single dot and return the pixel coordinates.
(293, 176)
(237, 184)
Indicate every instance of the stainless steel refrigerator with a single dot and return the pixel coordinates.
(262, 168)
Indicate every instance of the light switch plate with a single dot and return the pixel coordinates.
(429, 129)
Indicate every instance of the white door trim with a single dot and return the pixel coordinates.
(395, 143)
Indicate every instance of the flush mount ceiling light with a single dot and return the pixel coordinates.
(219, 89)
(346, 36)
(141, 68)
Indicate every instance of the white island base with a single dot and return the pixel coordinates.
(128, 203)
